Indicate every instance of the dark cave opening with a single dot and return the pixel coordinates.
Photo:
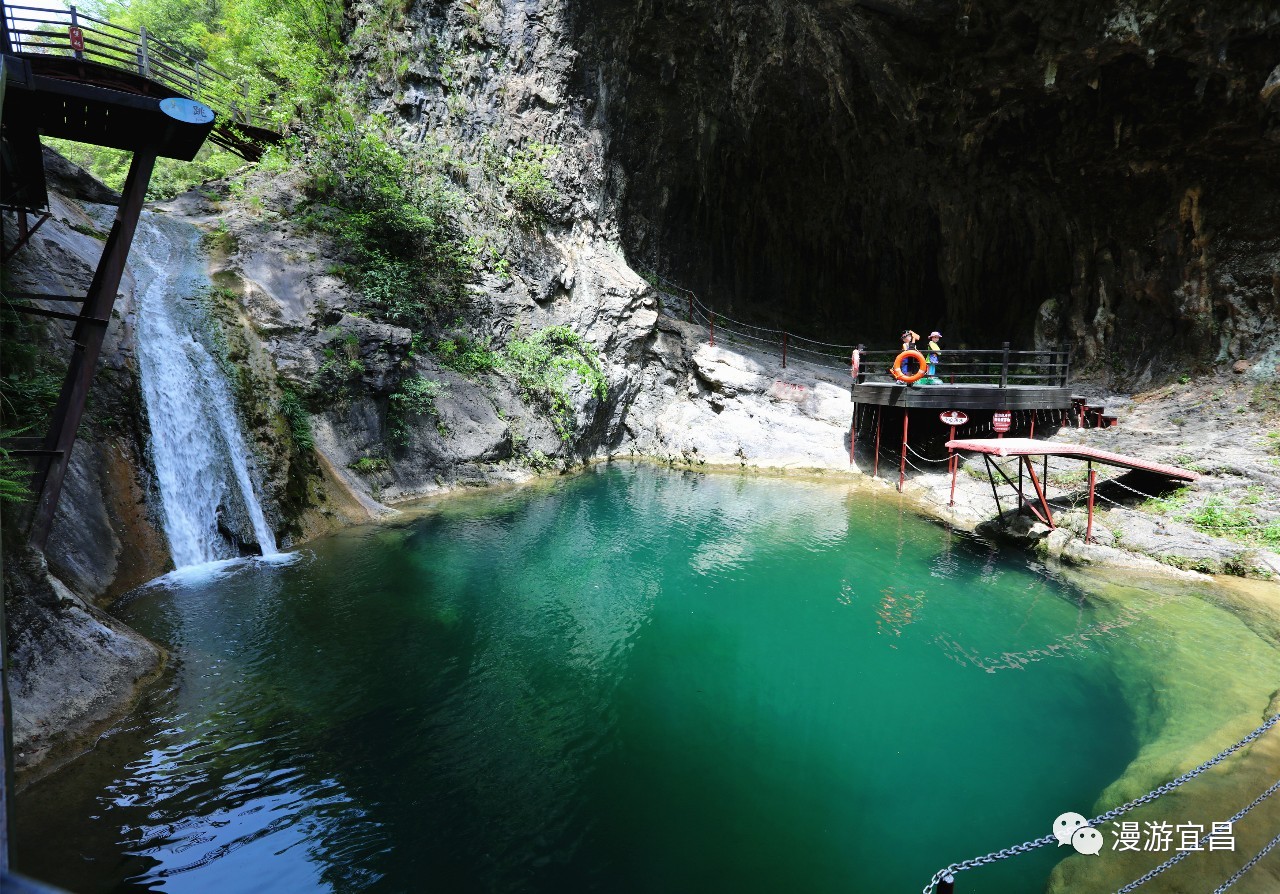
(845, 171)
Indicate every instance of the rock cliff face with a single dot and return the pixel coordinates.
(1096, 172)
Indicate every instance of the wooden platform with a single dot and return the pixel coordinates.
(963, 396)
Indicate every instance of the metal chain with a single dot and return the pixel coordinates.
(1026, 846)
(1246, 867)
(1182, 855)
(1185, 777)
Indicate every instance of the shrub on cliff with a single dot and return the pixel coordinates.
(391, 216)
(414, 397)
(542, 365)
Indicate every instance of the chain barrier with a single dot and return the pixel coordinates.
(1182, 855)
(1150, 796)
(1246, 867)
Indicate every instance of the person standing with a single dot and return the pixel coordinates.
(855, 364)
(910, 339)
(934, 351)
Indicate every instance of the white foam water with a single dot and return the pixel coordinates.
(197, 448)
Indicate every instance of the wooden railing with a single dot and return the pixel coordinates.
(30, 30)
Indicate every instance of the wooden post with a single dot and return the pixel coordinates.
(784, 350)
(947, 885)
(1004, 366)
(144, 61)
(1066, 364)
(853, 433)
(1088, 530)
(1033, 425)
(87, 340)
(875, 464)
(902, 466)
(75, 25)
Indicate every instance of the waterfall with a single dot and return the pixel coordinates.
(197, 448)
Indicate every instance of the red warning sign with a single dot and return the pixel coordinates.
(1001, 421)
(954, 417)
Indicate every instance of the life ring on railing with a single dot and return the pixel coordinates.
(921, 369)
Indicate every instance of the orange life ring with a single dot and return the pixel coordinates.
(921, 368)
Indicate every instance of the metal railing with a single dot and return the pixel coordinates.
(31, 30)
(992, 366)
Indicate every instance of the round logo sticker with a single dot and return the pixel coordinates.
(188, 111)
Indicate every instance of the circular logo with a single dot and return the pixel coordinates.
(188, 111)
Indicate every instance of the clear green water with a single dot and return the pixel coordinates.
(627, 681)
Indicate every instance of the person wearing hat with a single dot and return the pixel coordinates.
(910, 339)
(934, 351)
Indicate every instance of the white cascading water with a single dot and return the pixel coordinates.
(197, 447)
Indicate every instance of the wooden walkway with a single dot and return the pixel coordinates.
(70, 46)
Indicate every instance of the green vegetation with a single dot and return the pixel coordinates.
(1265, 397)
(285, 54)
(471, 357)
(1220, 518)
(370, 465)
(543, 364)
(392, 216)
(294, 413)
(170, 177)
(30, 375)
(13, 475)
(524, 177)
(339, 373)
(413, 397)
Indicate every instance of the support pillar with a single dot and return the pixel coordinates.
(902, 466)
(1093, 480)
(954, 461)
(87, 345)
(875, 463)
(853, 433)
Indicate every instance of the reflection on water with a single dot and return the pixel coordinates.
(626, 681)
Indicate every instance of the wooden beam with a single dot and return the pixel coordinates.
(87, 338)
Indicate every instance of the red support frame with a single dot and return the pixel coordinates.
(902, 466)
(87, 340)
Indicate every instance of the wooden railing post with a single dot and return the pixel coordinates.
(1004, 366)
(144, 60)
(1066, 363)
(75, 26)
